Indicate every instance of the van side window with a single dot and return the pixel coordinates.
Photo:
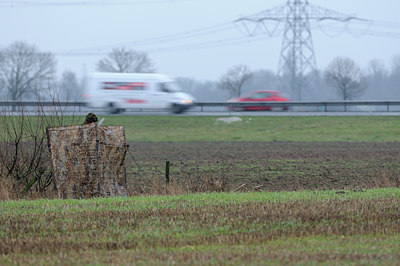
(124, 86)
(163, 87)
(168, 87)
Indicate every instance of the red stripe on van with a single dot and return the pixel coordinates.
(135, 101)
(124, 85)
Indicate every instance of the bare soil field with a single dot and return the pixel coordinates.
(265, 166)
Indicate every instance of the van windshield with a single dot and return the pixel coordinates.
(169, 87)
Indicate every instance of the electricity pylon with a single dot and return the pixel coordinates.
(297, 59)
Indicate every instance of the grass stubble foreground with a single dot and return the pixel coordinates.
(333, 227)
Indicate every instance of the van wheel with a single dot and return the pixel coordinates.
(112, 109)
(176, 109)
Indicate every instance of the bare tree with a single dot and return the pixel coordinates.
(234, 79)
(123, 60)
(2, 83)
(394, 78)
(69, 86)
(396, 65)
(261, 80)
(376, 67)
(344, 75)
(377, 79)
(203, 91)
(25, 70)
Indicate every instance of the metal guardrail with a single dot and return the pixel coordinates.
(42, 103)
(320, 105)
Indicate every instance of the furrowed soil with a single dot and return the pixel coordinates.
(263, 166)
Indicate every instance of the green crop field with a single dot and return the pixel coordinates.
(217, 228)
(310, 129)
(260, 128)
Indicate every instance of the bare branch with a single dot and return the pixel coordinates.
(23, 69)
(234, 79)
(122, 60)
(69, 87)
(344, 75)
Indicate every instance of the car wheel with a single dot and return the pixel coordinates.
(176, 109)
(112, 109)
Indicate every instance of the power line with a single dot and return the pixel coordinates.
(159, 44)
(210, 30)
(13, 4)
(181, 48)
(357, 32)
(270, 23)
(297, 58)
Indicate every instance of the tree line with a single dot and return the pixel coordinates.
(26, 73)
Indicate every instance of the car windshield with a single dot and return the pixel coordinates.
(169, 87)
(260, 95)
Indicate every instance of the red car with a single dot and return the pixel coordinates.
(259, 97)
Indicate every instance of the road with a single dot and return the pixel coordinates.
(271, 114)
(205, 112)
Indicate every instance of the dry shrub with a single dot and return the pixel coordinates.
(7, 189)
(385, 179)
(159, 187)
(24, 155)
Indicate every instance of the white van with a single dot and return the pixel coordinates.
(120, 91)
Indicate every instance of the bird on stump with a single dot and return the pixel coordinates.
(91, 118)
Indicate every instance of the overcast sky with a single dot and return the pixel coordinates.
(191, 38)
